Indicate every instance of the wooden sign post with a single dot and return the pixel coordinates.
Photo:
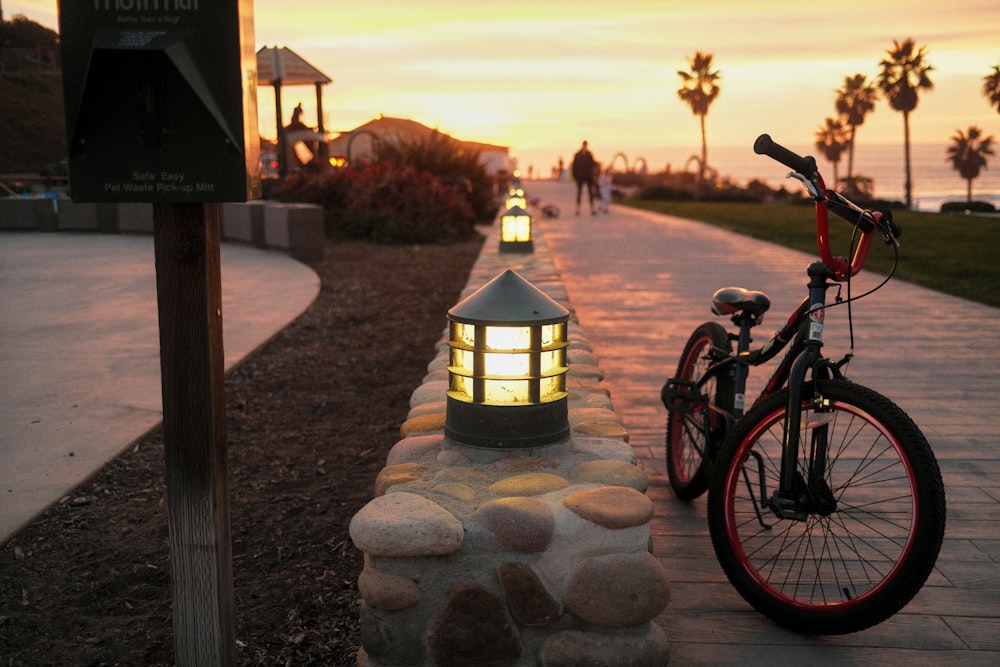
(161, 107)
(192, 368)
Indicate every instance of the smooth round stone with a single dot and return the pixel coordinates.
(401, 473)
(429, 392)
(437, 375)
(602, 430)
(612, 507)
(611, 473)
(432, 408)
(591, 414)
(588, 371)
(429, 423)
(581, 357)
(520, 523)
(450, 457)
(440, 362)
(619, 590)
(531, 604)
(529, 484)
(387, 591)
(605, 448)
(456, 490)
(414, 447)
(399, 525)
(620, 649)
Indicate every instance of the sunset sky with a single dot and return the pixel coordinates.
(541, 75)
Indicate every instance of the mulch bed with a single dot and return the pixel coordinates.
(310, 418)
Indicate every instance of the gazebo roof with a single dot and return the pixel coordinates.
(284, 65)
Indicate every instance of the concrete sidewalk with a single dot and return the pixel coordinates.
(79, 351)
(640, 283)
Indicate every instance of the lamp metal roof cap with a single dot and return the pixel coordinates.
(508, 300)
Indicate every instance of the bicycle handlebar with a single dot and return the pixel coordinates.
(804, 169)
(803, 165)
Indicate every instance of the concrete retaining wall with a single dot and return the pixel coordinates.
(296, 229)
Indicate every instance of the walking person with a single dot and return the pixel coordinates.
(605, 185)
(583, 174)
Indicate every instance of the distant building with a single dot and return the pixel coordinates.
(357, 144)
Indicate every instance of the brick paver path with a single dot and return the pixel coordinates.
(641, 282)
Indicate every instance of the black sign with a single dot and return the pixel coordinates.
(161, 100)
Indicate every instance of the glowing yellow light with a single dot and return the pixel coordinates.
(515, 228)
(508, 338)
(500, 365)
(518, 200)
(463, 334)
(509, 362)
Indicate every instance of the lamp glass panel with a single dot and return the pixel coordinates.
(507, 391)
(508, 338)
(516, 228)
(552, 388)
(506, 365)
(553, 334)
(553, 361)
(463, 335)
(461, 387)
(462, 361)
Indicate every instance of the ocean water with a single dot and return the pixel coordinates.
(933, 179)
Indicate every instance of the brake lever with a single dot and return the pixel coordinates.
(890, 229)
(811, 186)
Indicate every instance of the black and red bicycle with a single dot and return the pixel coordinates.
(825, 502)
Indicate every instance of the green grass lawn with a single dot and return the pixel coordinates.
(951, 253)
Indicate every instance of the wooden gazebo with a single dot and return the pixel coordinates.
(278, 67)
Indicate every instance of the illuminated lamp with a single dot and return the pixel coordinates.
(507, 367)
(515, 231)
(516, 197)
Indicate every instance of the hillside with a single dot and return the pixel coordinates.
(32, 119)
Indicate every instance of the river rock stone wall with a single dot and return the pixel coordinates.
(512, 557)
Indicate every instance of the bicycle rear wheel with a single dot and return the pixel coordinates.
(868, 535)
(698, 416)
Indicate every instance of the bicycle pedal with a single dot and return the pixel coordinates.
(681, 396)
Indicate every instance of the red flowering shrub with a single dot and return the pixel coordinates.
(384, 203)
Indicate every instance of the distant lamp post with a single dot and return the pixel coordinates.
(507, 370)
(515, 231)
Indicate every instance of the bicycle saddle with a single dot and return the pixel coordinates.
(729, 300)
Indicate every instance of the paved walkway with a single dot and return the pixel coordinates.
(641, 282)
(79, 351)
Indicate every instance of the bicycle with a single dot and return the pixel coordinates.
(825, 502)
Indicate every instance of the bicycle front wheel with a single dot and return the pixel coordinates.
(864, 538)
(696, 422)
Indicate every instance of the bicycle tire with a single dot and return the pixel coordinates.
(693, 436)
(863, 562)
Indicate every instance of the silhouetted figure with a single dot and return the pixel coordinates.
(583, 174)
(296, 122)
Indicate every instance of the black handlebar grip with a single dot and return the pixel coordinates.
(766, 146)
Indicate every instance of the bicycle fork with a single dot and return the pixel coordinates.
(799, 497)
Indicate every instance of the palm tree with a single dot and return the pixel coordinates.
(831, 141)
(854, 101)
(991, 87)
(699, 89)
(968, 155)
(903, 75)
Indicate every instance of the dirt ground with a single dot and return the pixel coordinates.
(310, 418)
